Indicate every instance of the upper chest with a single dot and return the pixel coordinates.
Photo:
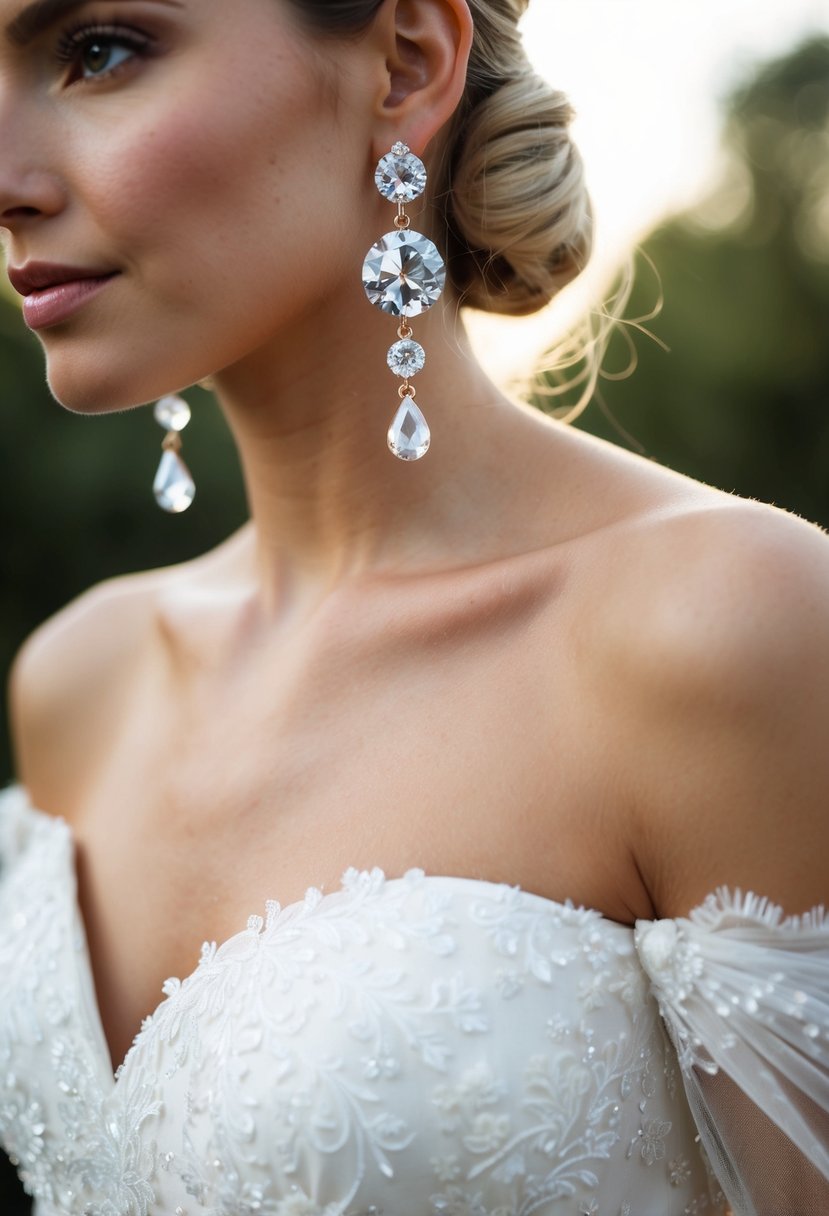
(450, 732)
(410, 726)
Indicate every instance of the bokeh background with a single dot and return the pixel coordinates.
(705, 131)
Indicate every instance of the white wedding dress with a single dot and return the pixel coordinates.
(419, 1046)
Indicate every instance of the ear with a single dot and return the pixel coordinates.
(426, 45)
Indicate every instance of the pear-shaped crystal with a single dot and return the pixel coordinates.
(173, 413)
(409, 434)
(173, 487)
(406, 358)
(401, 176)
(404, 274)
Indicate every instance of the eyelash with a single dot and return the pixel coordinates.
(74, 40)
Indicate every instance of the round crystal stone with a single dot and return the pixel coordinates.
(406, 358)
(404, 274)
(173, 413)
(400, 175)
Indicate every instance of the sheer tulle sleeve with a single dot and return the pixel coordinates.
(744, 993)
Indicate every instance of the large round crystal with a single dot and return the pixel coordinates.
(404, 274)
(400, 175)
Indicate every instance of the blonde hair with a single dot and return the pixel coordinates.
(511, 186)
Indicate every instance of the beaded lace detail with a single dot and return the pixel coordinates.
(414, 1046)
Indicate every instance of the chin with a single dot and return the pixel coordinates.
(78, 401)
(99, 391)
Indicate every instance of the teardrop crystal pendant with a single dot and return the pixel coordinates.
(404, 275)
(409, 436)
(173, 487)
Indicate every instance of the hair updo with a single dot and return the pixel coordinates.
(510, 185)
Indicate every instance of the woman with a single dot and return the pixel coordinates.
(530, 710)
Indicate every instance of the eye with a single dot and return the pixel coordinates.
(101, 56)
(95, 52)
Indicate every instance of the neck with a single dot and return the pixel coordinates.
(328, 500)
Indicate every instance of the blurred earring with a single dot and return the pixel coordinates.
(173, 487)
(404, 275)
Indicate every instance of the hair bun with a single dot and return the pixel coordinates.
(518, 212)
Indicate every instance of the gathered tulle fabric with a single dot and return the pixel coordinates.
(744, 992)
(427, 1045)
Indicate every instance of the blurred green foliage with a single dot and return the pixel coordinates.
(740, 401)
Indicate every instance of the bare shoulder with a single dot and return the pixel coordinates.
(707, 583)
(716, 644)
(66, 673)
(71, 674)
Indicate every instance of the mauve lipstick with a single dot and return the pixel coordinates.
(53, 293)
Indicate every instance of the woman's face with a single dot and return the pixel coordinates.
(195, 151)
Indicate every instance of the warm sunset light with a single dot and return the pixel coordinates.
(646, 78)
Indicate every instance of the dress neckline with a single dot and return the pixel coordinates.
(313, 898)
(725, 908)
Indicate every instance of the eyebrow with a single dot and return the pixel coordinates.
(37, 17)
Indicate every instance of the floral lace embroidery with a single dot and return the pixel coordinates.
(71, 1143)
(494, 1050)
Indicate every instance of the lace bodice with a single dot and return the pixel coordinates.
(416, 1046)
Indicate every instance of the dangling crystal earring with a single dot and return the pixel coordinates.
(173, 487)
(403, 274)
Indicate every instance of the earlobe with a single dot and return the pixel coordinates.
(427, 45)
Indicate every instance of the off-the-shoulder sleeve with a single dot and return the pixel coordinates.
(744, 993)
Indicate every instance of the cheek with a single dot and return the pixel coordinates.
(233, 212)
(227, 184)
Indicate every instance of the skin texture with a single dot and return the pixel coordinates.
(530, 657)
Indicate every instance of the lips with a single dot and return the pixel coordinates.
(39, 276)
(52, 294)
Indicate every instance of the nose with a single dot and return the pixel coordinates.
(29, 188)
(26, 193)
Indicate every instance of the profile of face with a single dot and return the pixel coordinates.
(210, 159)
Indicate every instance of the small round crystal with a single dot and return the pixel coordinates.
(400, 175)
(404, 274)
(173, 413)
(406, 358)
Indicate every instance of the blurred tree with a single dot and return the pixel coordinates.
(740, 398)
